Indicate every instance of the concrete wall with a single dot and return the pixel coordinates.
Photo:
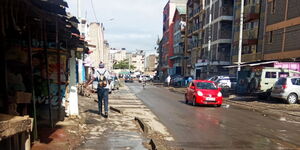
(96, 37)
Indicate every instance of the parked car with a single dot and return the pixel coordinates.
(115, 83)
(261, 81)
(288, 89)
(178, 81)
(225, 82)
(128, 79)
(203, 92)
(174, 79)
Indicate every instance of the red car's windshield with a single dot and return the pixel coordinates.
(206, 85)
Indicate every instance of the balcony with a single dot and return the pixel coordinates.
(226, 11)
(195, 28)
(248, 57)
(251, 12)
(189, 62)
(190, 30)
(194, 44)
(196, 11)
(249, 36)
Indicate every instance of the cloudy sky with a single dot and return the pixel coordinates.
(130, 24)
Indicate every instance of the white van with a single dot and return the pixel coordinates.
(262, 81)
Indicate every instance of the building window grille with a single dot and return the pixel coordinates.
(273, 4)
(270, 36)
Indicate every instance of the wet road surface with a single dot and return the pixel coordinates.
(117, 132)
(205, 127)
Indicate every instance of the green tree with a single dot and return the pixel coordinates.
(124, 64)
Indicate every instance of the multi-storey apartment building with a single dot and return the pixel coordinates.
(282, 30)
(253, 22)
(208, 37)
(178, 36)
(137, 59)
(193, 30)
(167, 39)
(271, 31)
(96, 38)
(151, 63)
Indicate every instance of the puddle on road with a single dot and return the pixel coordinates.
(115, 140)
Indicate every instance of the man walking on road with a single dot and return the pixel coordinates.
(101, 75)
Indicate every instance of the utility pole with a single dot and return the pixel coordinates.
(129, 59)
(209, 37)
(241, 36)
(78, 9)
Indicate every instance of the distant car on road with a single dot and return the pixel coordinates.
(115, 83)
(288, 89)
(128, 79)
(203, 92)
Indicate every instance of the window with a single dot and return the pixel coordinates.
(273, 4)
(296, 81)
(270, 75)
(283, 74)
(281, 81)
(233, 80)
(253, 49)
(270, 36)
(206, 85)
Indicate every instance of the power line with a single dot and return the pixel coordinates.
(94, 11)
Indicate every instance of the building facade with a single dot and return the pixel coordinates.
(270, 31)
(167, 39)
(96, 40)
(137, 59)
(178, 36)
(194, 24)
(151, 63)
(215, 38)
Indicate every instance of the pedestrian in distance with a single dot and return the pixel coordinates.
(101, 75)
(144, 82)
(190, 79)
(168, 80)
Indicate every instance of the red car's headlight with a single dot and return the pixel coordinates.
(199, 93)
(219, 94)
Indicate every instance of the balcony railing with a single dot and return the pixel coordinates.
(248, 57)
(250, 9)
(196, 27)
(226, 11)
(250, 34)
(194, 44)
(195, 11)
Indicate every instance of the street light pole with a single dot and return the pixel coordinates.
(209, 37)
(241, 36)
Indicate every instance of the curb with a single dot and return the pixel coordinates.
(262, 110)
(143, 125)
(116, 109)
(152, 144)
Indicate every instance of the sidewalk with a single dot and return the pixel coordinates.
(61, 137)
(130, 125)
(273, 108)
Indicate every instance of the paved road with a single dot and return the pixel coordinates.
(216, 128)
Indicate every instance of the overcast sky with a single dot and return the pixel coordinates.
(130, 24)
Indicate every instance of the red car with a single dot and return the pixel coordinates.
(203, 92)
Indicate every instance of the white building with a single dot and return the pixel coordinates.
(95, 41)
(137, 59)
